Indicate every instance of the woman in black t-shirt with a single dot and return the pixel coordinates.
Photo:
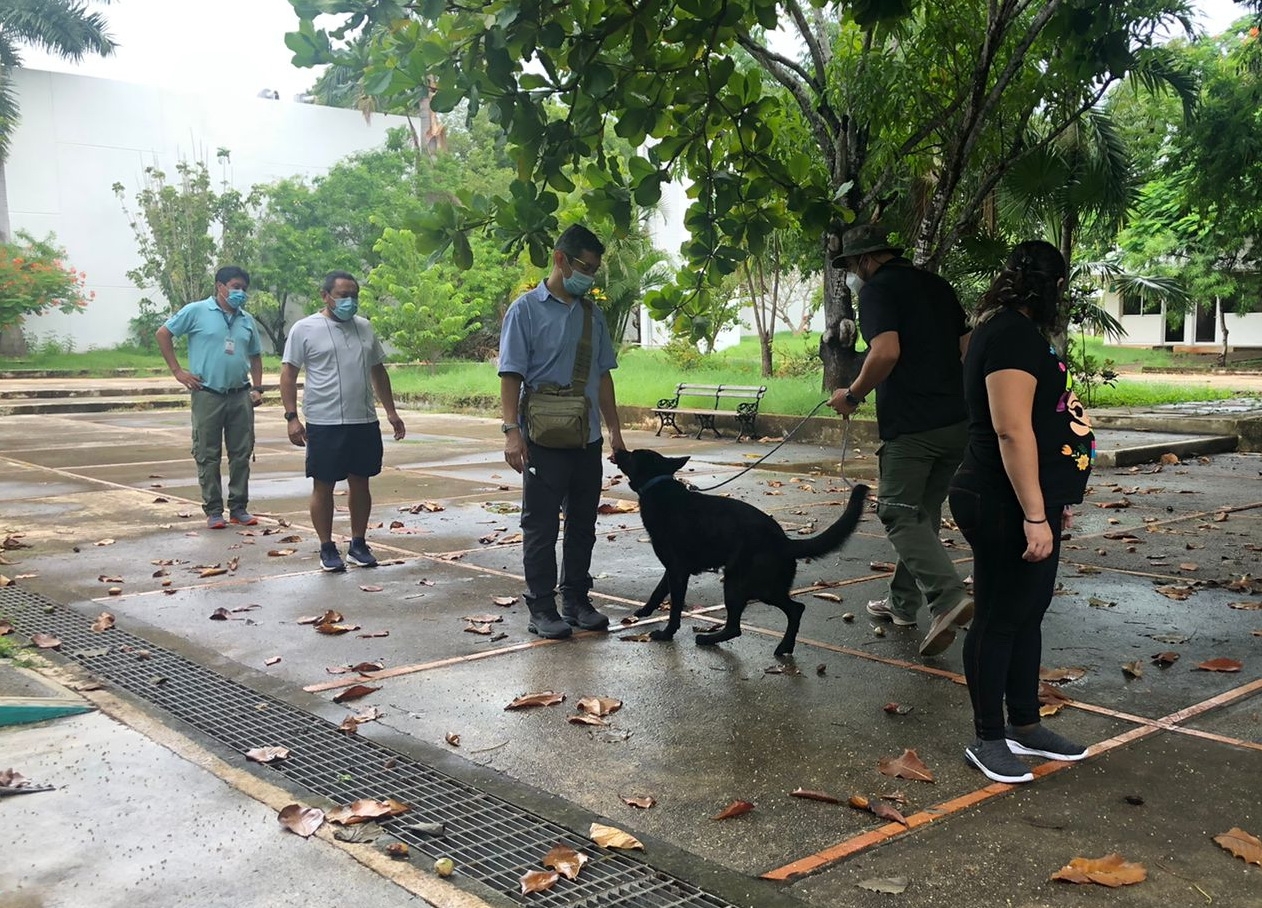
(1029, 455)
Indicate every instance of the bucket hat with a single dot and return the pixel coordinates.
(865, 239)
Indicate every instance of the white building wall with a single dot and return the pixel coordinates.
(1243, 330)
(79, 135)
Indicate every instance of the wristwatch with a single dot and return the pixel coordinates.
(258, 388)
(852, 400)
(508, 427)
(290, 415)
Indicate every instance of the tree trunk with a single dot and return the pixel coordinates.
(837, 344)
(1222, 323)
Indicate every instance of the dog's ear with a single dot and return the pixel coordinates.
(676, 463)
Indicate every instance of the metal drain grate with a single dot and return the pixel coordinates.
(491, 840)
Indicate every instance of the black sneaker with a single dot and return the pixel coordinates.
(1041, 741)
(360, 554)
(330, 560)
(997, 762)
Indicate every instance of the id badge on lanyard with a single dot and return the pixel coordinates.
(229, 347)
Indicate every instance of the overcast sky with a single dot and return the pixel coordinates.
(237, 47)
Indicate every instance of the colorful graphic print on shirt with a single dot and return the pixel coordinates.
(1082, 452)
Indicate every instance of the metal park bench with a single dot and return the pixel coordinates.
(745, 397)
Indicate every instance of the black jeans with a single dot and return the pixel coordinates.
(1005, 642)
(559, 480)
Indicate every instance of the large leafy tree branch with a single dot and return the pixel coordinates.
(913, 112)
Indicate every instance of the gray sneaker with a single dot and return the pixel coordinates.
(1041, 741)
(942, 630)
(880, 609)
(997, 762)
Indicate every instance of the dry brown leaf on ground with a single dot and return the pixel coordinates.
(301, 820)
(1255, 606)
(1244, 846)
(45, 641)
(349, 726)
(103, 622)
(14, 541)
(372, 634)
(354, 693)
(1133, 669)
(1221, 664)
(104, 542)
(370, 714)
(735, 809)
(585, 719)
(335, 629)
(809, 795)
(542, 698)
(896, 709)
(220, 614)
(618, 507)
(267, 754)
(1114, 505)
(371, 588)
(887, 812)
(212, 572)
(1061, 675)
(505, 600)
(280, 553)
(483, 619)
(881, 566)
(907, 765)
(1177, 593)
(538, 881)
(452, 738)
(894, 885)
(613, 837)
(1112, 870)
(5, 628)
(1165, 659)
(565, 861)
(599, 706)
(398, 850)
(482, 629)
(109, 578)
(827, 597)
(643, 802)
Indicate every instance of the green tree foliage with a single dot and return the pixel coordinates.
(915, 109)
(185, 229)
(421, 311)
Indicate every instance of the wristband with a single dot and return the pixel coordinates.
(1028, 520)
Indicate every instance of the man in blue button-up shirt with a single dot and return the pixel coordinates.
(538, 345)
(225, 376)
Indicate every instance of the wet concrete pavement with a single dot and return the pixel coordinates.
(1156, 562)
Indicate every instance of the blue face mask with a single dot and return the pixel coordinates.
(578, 283)
(344, 309)
(236, 298)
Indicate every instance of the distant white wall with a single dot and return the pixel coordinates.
(1243, 330)
(78, 136)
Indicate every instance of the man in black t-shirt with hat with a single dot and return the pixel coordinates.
(916, 332)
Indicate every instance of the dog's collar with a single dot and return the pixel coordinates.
(654, 481)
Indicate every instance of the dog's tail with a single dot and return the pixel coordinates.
(832, 538)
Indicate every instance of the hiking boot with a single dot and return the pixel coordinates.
(580, 614)
(242, 517)
(360, 554)
(1041, 741)
(330, 560)
(880, 609)
(545, 621)
(997, 762)
(215, 522)
(942, 630)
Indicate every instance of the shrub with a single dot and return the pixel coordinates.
(34, 279)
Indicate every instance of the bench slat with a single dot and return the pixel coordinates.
(745, 413)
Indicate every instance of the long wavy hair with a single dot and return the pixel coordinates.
(1030, 281)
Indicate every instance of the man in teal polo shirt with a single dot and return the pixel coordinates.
(225, 376)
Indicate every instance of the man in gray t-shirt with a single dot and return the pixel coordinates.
(344, 366)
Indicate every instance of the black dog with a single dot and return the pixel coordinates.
(692, 532)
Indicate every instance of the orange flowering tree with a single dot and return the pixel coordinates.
(35, 279)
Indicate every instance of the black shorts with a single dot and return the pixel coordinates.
(335, 452)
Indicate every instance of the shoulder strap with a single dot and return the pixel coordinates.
(583, 356)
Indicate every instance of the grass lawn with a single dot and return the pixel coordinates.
(645, 376)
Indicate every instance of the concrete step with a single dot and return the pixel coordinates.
(78, 391)
(67, 406)
(1123, 448)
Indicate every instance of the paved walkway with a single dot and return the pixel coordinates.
(1158, 563)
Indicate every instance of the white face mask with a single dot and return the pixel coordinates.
(854, 282)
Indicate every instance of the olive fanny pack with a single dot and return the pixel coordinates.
(559, 416)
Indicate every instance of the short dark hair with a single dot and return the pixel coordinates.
(577, 239)
(231, 273)
(333, 277)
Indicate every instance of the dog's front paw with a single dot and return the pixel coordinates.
(783, 650)
(716, 638)
(645, 610)
(662, 633)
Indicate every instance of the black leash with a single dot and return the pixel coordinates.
(845, 439)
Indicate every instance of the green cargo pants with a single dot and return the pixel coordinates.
(220, 418)
(915, 474)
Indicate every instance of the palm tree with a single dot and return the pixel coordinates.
(62, 27)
